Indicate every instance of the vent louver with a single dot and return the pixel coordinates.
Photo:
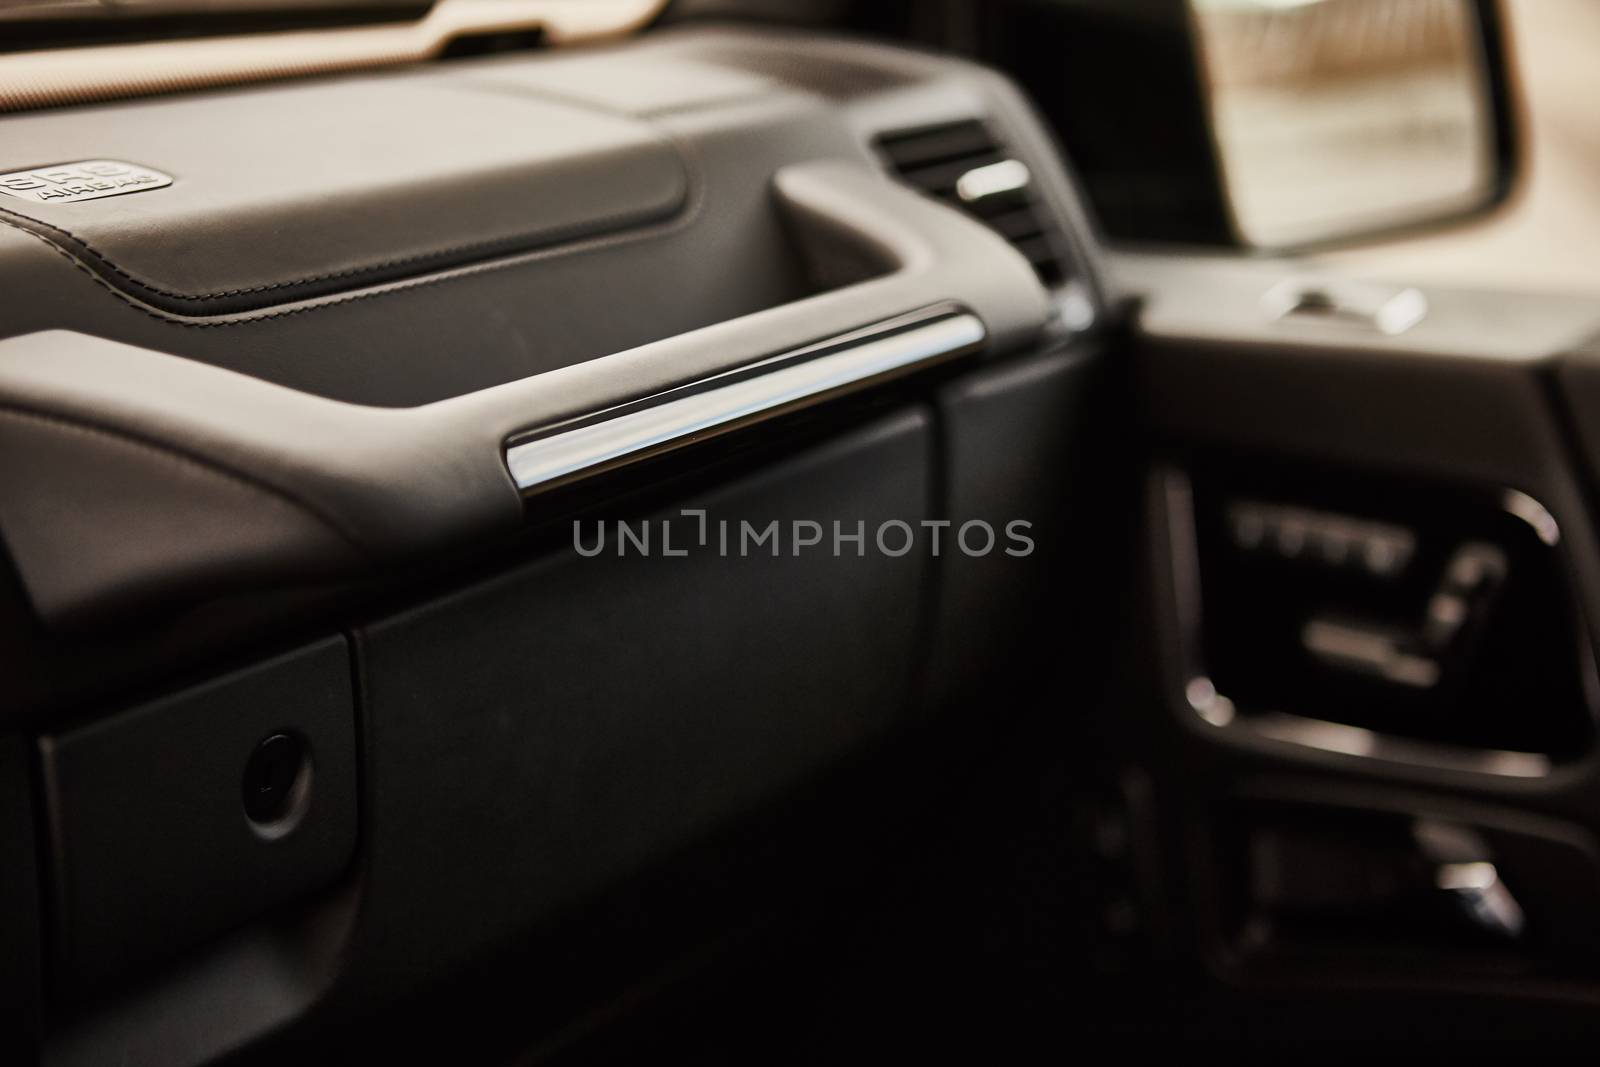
(962, 164)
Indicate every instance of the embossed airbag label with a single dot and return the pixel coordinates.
(67, 183)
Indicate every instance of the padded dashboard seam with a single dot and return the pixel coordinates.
(686, 216)
(512, 243)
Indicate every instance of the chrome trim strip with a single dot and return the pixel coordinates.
(1369, 744)
(548, 460)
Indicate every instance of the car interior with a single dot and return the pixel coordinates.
(796, 531)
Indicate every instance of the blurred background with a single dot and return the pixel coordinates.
(1350, 115)
(1546, 235)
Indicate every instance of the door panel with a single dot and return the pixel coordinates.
(1278, 455)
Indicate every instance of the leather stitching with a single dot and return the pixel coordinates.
(681, 221)
(17, 220)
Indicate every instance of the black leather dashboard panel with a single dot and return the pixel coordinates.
(499, 246)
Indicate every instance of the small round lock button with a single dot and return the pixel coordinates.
(276, 787)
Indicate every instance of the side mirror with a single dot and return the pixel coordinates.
(1340, 118)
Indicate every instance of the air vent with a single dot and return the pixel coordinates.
(964, 165)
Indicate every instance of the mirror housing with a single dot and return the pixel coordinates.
(1336, 119)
